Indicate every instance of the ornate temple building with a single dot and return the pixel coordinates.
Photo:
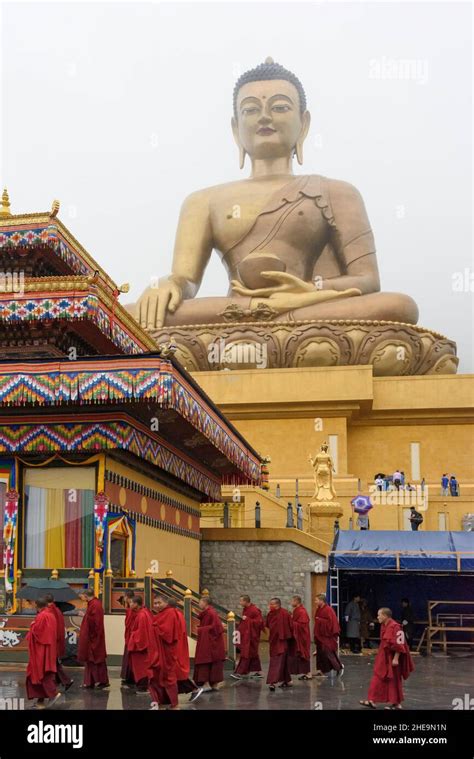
(107, 445)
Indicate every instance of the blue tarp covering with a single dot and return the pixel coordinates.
(378, 549)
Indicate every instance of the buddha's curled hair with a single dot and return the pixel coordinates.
(269, 70)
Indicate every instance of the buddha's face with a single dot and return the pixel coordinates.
(269, 121)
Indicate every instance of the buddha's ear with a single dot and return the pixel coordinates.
(305, 123)
(235, 132)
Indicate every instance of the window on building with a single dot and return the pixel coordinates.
(59, 517)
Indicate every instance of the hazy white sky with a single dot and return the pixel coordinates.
(120, 110)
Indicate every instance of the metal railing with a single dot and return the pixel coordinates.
(184, 598)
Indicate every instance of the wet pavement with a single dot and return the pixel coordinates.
(436, 682)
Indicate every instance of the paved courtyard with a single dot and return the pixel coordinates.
(437, 680)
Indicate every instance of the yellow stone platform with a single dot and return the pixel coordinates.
(373, 424)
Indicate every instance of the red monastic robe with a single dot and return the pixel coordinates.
(60, 630)
(300, 646)
(326, 628)
(167, 634)
(250, 630)
(326, 633)
(62, 676)
(126, 671)
(386, 683)
(183, 666)
(210, 648)
(91, 647)
(280, 634)
(141, 644)
(42, 647)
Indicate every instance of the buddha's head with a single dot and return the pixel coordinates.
(270, 117)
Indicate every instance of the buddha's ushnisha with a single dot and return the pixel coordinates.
(298, 247)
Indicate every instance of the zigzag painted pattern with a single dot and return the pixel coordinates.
(49, 438)
(126, 384)
(45, 235)
(69, 307)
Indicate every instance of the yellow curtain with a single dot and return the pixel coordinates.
(55, 544)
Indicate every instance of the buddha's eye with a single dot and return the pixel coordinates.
(249, 111)
(281, 108)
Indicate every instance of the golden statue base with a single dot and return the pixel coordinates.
(322, 515)
(392, 348)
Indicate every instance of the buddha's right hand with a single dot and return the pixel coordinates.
(156, 301)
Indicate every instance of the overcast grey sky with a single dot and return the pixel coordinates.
(120, 110)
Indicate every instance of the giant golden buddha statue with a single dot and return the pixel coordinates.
(298, 250)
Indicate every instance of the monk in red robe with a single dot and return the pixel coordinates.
(126, 673)
(210, 648)
(141, 644)
(183, 665)
(326, 637)
(249, 630)
(300, 647)
(278, 623)
(91, 649)
(42, 663)
(163, 673)
(392, 664)
(61, 675)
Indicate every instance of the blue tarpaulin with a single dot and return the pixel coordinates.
(403, 550)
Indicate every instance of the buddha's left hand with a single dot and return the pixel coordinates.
(292, 292)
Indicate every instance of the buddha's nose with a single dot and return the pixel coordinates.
(264, 119)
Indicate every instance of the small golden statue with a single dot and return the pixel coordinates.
(323, 468)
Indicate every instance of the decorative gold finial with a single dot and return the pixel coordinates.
(54, 208)
(269, 59)
(230, 616)
(124, 288)
(188, 593)
(54, 574)
(5, 209)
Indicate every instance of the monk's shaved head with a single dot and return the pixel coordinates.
(297, 599)
(322, 597)
(49, 598)
(385, 611)
(245, 598)
(138, 600)
(275, 601)
(41, 603)
(89, 593)
(129, 593)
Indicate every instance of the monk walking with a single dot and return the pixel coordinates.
(210, 649)
(91, 648)
(61, 675)
(392, 663)
(300, 647)
(326, 637)
(249, 630)
(42, 662)
(278, 623)
(141, 644)
(183, 665)
(126, 673)
(163, 675)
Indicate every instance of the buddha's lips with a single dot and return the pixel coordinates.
(266, 130)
